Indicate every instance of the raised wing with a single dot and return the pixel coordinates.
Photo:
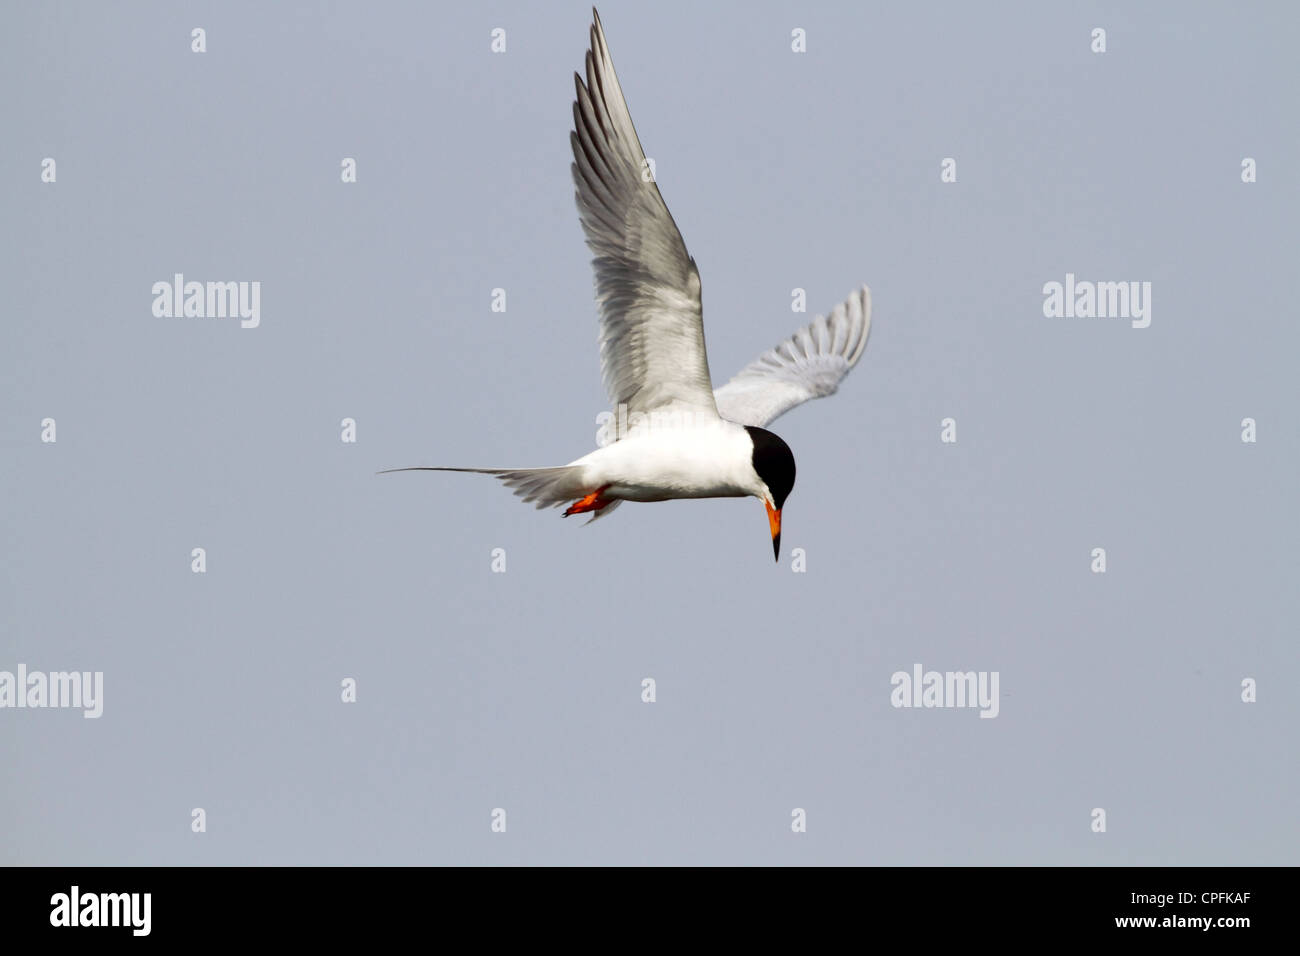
(810, 364)
(647, 287)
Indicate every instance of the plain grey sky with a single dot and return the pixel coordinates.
(522, 690)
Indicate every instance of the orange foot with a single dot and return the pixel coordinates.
(592, 502)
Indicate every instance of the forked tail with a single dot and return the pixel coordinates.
(547, 487)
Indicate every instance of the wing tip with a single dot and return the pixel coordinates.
(863, 295)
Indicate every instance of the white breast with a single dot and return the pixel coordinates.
(714, 460)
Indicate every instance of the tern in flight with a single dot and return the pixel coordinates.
(687, 440)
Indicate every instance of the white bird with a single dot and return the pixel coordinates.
(678, 437)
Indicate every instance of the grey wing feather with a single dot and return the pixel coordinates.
(647, 287)
(810, 364)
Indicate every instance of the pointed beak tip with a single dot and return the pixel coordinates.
(774, 525)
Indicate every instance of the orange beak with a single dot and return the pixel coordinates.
(774, 522)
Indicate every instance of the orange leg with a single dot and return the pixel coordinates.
(592, 502)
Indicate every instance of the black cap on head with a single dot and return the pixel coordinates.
(773, 462)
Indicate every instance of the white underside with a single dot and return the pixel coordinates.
(698, 461)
